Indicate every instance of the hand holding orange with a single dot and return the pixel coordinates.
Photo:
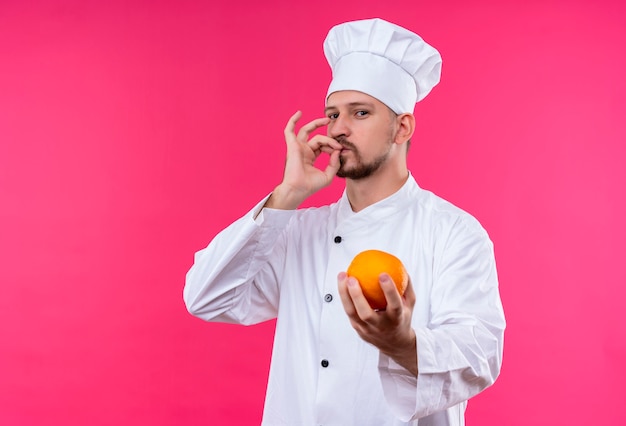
(367, 266)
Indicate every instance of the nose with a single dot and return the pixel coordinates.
(338, 127)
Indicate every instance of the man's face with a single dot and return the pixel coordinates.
(366, 129)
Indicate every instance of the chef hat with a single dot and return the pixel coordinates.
(383, 60)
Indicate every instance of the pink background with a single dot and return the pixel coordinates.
(132, 132)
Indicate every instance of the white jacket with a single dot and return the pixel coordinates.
(285, 263)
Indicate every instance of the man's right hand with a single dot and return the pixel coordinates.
(301, 178)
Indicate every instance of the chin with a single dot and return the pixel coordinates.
(354, 174)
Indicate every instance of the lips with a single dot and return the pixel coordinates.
(346, 145)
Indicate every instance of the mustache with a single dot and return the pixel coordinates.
(345, 142)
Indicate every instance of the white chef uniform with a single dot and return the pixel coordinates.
(285, 263)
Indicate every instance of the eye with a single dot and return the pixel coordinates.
(361, 113)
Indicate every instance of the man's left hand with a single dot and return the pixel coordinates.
(389, 330)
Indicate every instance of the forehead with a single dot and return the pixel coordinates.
(344, 98)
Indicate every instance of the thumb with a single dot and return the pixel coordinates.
(333, 165)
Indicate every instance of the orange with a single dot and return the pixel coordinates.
(367, 266)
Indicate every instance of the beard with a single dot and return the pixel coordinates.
(362, 169)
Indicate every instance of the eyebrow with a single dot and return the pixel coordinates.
(350, 105)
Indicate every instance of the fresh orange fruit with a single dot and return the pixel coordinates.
(367, 266)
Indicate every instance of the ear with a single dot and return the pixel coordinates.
(406, 127)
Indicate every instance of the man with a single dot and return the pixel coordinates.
(335, 360)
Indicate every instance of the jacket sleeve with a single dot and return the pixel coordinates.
(460, 351)
(236, 279)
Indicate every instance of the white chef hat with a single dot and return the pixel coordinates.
(383, 60)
